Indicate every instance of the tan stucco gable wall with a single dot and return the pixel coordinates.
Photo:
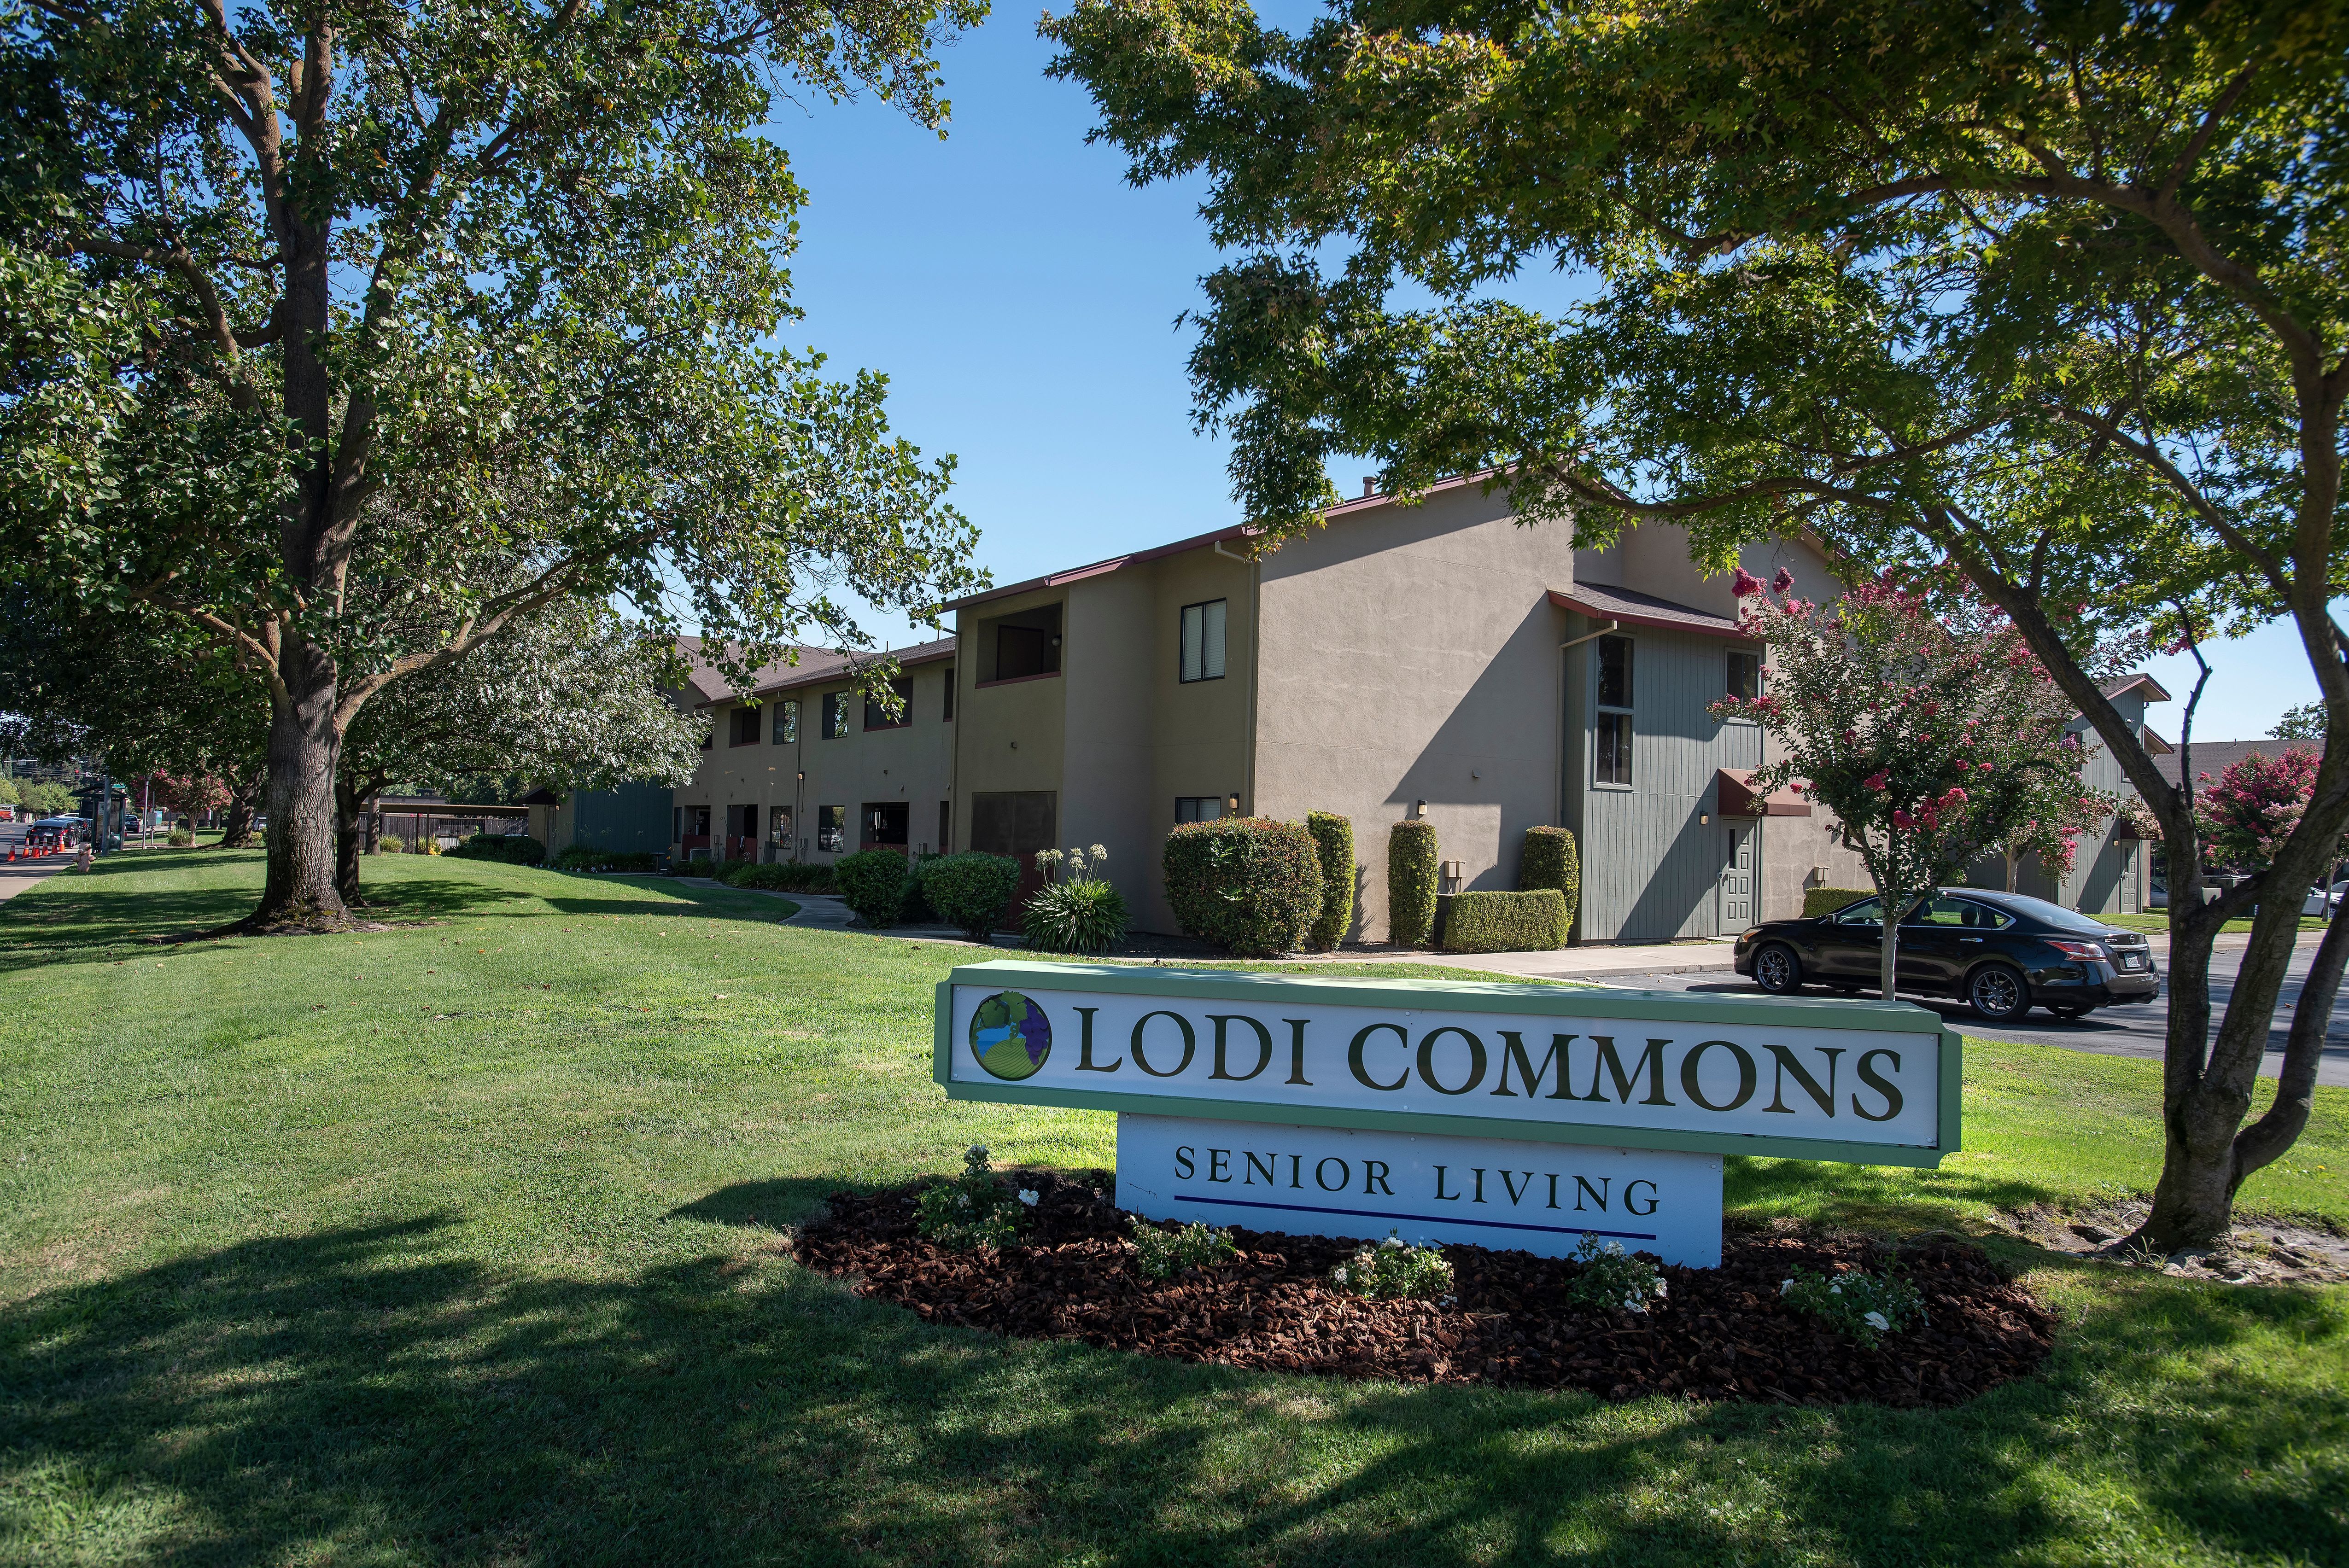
(1409, 652)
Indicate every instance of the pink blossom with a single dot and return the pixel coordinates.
(1878, 780)
(1744, 584)
(1953, 797)
(1983, 766)
(1781, 583)
(1903, 819)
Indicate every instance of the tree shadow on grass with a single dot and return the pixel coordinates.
(1887, 1198)
(767, 1205)
(370, 1393)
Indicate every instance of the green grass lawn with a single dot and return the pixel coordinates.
(2159, 921)
(460, 1242)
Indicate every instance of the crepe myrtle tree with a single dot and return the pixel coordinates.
(354, 333)
(1929, 742)
(574, 698)
(2051, 292)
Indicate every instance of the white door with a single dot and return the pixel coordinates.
(1737, 878)
(2129, 879)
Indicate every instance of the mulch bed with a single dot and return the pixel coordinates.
(1721, 1334)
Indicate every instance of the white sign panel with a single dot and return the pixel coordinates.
(1718, 1072)
(1501, 1193)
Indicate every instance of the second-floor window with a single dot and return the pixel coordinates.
(949, 712)
(1203, 641)
(1611, 757)
(836, 715)
(746, 726)
(1744, 676)
(787, 721)
(877, 717)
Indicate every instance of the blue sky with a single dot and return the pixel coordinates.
(1023, 299)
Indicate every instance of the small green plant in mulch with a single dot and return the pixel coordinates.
(1866, 1307)
(1612, 1280)
(973, 1210)
(1163, 1254)
(1393, 1270)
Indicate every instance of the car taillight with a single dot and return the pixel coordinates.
(2076, 949)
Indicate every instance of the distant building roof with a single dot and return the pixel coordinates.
(2154, 690)
(708, 685)
(2215, 757)
(1634, 609)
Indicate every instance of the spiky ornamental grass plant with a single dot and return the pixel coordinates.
(1075, 911)
(1931, 738)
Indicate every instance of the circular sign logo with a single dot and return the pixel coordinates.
(1010, 1036)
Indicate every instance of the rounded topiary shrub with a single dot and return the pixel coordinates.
(1412, 881)
(1247, 884)
(1333, 843)
(1551, 860)
(971, 890)
(872, 882)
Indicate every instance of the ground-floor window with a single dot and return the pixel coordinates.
(831, 828)
(1198, 808)
(1612, 758)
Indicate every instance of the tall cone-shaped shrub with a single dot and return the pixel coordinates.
(1411, 882)
(1551, 860)
(1333, 841)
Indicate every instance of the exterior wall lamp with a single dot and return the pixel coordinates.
(1232, 804)
(1418, 811)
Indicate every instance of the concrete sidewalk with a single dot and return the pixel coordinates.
(15, 876)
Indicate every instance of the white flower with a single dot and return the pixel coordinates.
(1784, 1285)
(1393, 1242)
(1878, 1322)
(1028, 1196)
(1339, 1273)
(1835, 1290)
(1660, 1287)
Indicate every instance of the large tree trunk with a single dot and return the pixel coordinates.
(303, 746)
(347, 805)
(236, 822)
(2208, 1085)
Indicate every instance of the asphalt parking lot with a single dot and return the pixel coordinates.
(2134, 1031)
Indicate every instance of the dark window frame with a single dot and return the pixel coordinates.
(742, 729)
(831, 830)
(1732, 684)
(1222, 641)
(787, 722)
(1194, 803)
(947, 715)
(835, 714)
(1615, 730)
(903, 687)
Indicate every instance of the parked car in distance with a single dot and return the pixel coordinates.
(2320, 904)
(2001, 953)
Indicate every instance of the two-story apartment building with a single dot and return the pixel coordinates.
(812, 765)
(1435, 659)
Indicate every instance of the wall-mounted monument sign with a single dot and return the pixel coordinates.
(1510, 1116)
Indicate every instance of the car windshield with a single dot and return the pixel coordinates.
(2046, 913)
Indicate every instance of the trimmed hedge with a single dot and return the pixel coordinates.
(1247, 884)
(1528, 922)
(1412, 865)
(971, 890)
(779, 876)
(514, 849)
(873, 884)
(1551, 860)
(1821, 901)
(1333, 846)
(583, 858)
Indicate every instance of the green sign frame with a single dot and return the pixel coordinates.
(1465, 996)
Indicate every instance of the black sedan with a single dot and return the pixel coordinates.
(1999, 951)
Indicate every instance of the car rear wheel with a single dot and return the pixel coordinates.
(1777, 971)
(1998, 993)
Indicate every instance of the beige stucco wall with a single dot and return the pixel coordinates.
(1012, 733)
(914, 764)
(1411, 653)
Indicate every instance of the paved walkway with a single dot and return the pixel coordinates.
(15, 876)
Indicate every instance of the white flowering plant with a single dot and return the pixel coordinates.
(973, 1210)
(1612, 1280)
(1866, 1307)
(1163, 1254)
(1393, 1270)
